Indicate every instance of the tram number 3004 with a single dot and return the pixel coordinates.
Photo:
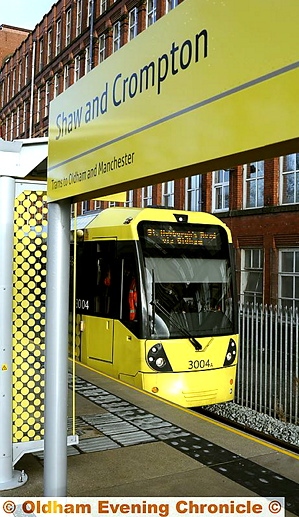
(199, 365)
(82, 304)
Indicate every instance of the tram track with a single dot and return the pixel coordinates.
(249, 428)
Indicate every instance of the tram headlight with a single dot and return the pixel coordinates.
(231, 353)
(157, 359)
(160, 362)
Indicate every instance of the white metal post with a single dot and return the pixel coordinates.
(57, 314)
(9, 478)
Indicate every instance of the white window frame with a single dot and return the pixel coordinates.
(171, 4)
(133, 23)
(168, 193)
(68, 26)
(102, 48)
(116, 36)
(58, 37)
(193, 193)
(38, 105)
(49, 45)
(41, 54)
(79, 18)
(255, 182)
(103, 6)
(285, 175)
(18, 122)
(24, 117)
(66, 77)
(56, 86)
(220, 190)
(19, 75)
(129, 198)
(47, 98)
(146, 196)
(252, 261)
(293, 279)
(8, 88)
(77, 69)
(14, 72)
(151, 12)
(86, 60)
(26, 69)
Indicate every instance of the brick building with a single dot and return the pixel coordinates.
(258, 201)
(10, 39)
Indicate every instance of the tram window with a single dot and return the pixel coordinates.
(97, 286)
(130, 298)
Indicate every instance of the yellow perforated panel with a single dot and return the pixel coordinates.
(29, 305)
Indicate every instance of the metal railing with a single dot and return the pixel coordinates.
(268, 370)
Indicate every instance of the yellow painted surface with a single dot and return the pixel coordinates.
(205, 83)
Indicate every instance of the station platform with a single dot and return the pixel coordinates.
(132, 444)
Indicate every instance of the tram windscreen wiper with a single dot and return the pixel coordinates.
(184, 331)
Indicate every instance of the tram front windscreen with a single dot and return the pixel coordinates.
(188, 277)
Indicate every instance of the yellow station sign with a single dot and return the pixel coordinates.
(202, 85)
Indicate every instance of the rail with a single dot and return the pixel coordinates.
(268, 371)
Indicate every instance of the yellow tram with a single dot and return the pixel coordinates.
(155, 299)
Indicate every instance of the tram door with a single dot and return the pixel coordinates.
(96, 288)
(97, 339)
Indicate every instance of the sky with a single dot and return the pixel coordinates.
(24, 13)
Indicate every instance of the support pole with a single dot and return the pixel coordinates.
(57, 314)
(9, 478)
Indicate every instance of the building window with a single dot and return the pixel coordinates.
(133, 23)
(66, 77)
(2, 94)
(41, 54)
(254, 184)
(116, 36)
(26, 69)
(56, 86)
(89, 7)
(8, 88)
(38, 105)
(171, 4)
(168, 193)
(288, 278)
(49, 47)
(151, 12)
(147, 196)
(97, 204)
(220, 190)
(193, 191)
(79, 17)
(129, 198)
(13, 82)
(68, 28)
(24, 118)
(84, 207)
(86, 64)
(58, 38)
(102, 48)
(18, 122)
(289, 171)
(77, 69)
(47, 98)
(252, 261)
(103, 6)
(11, 125)
(20, 76)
